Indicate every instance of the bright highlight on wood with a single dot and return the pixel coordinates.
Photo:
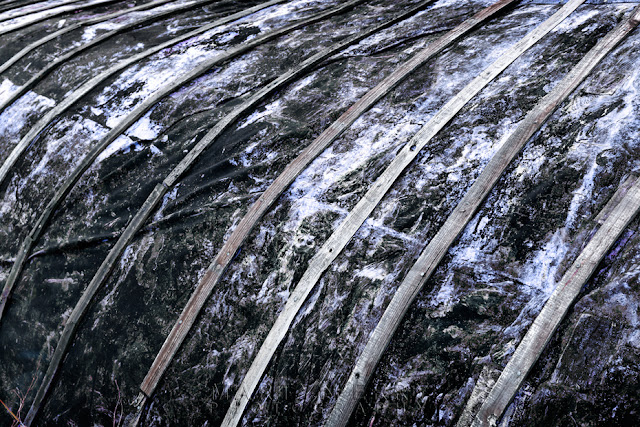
(627, 205)
(455, 223)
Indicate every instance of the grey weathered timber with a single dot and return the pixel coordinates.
(164, 359)
(339, 239)
(19, 149)
(567, 290)
(6, 6)
(72, 98)
(490, 374)
(153, 199)
(7, 16)
(78, 50)
(30, 48)
(57, 12)
(9, 6)
(455, 223)
(239, 235)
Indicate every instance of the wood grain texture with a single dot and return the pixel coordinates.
(546, 323)
(62, 192)
(33, 46)
(9, 15)
(40, 75)
(9, 28)
(455, 223)
(166, 354)
(160, 190)
(336, 243)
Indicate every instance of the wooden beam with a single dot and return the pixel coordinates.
(455, 223)
(40, 75)
(8, 6)
(164, 357)
(9, 28)
(33, 46)
(336, 243)
(555, 309)
(64, 189)
(9, 16)
(343, 234)
(239, 235)
(161, 189)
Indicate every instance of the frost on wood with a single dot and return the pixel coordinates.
(472, 313)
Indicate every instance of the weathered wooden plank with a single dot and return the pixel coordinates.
(70, 100)
(7, 16)
(556, 307)
(40, 75)
(9, 28)
(239, 235)
(164, 357)
(455, 223)
(339, 239)
(33, 46)
(160, 190)
(79, 310)
(8, 6)
(336, 243)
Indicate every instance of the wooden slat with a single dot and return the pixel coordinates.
(10, 5)
(158, 193)
(9, 28)
(33, 46)
(166, 354)
(455, 223)
(40, 75)
(75, 317)
(339, 239)
(354, 220)
(557, 306)
(68, 102)
(6, 16)
(257, 210)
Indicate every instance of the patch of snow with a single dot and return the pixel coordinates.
(169, 197)
(145, 129)
(268, 110)
(123, 143)
(13, 118)
(372, 272)
(228, 37)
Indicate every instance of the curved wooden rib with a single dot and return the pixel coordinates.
(160, 190)
(78, 50)
(19, 149)
(239, 235)
(556, 307)
(164, 357)
(42, 8)
(339, 239)
(61, 193)
(455, 223)
(30, 48)
(59, 11)
(8, 6)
